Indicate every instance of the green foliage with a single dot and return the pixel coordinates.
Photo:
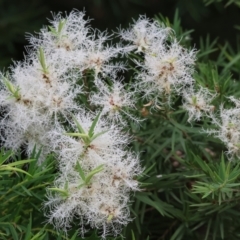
(12, 89)
(23, 186)
(221, 181)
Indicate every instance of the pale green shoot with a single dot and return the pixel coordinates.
(12, 89)
(110, 217)
(87, 178)
(90, 135)
(63, 192)
(194, 99)
(57, 31)
(42, 61)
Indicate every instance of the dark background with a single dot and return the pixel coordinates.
(18, 17)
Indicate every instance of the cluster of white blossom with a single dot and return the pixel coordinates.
(96, 175)
(227, 124)
(42, 94)
(115, 101)
(166, 68)
(45, 84)
(198, 102)
(32, 96)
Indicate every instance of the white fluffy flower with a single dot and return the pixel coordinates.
(143, 33)
(96, 171)
(32, 98)
(68, 33)
(197, 102)
(114, 100)
(166, 69)
(33, 137)
(102, 200)
(99, 55)
(73, 44)
(228, 128)
(99, 151)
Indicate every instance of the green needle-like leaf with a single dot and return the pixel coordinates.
(93, 172)
(80, 170)
(4, 156)
(9, 168)
(94, 123)
(61, 25)
(41, 58)
(79, 127)
(21, 162)
(64, 193)
(82, 135)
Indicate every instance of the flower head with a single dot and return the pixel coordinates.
(96, 175)
(114, 100)
(166, 70)
(197, 102)
(143, 33)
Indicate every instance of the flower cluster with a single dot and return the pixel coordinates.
(33, 94)
(44, 86)
(166, 70)
(198, 102)
(43, 110)
(228, 128)
(96, 175)
(167, 67)
(114, 100)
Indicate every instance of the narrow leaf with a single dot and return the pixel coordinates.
(80, 170)
(93, 172)
(83, 135)
(80, 129)
(9, 168)
(61, 191)
(94, 123)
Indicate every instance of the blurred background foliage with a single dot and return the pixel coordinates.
(218, 18)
